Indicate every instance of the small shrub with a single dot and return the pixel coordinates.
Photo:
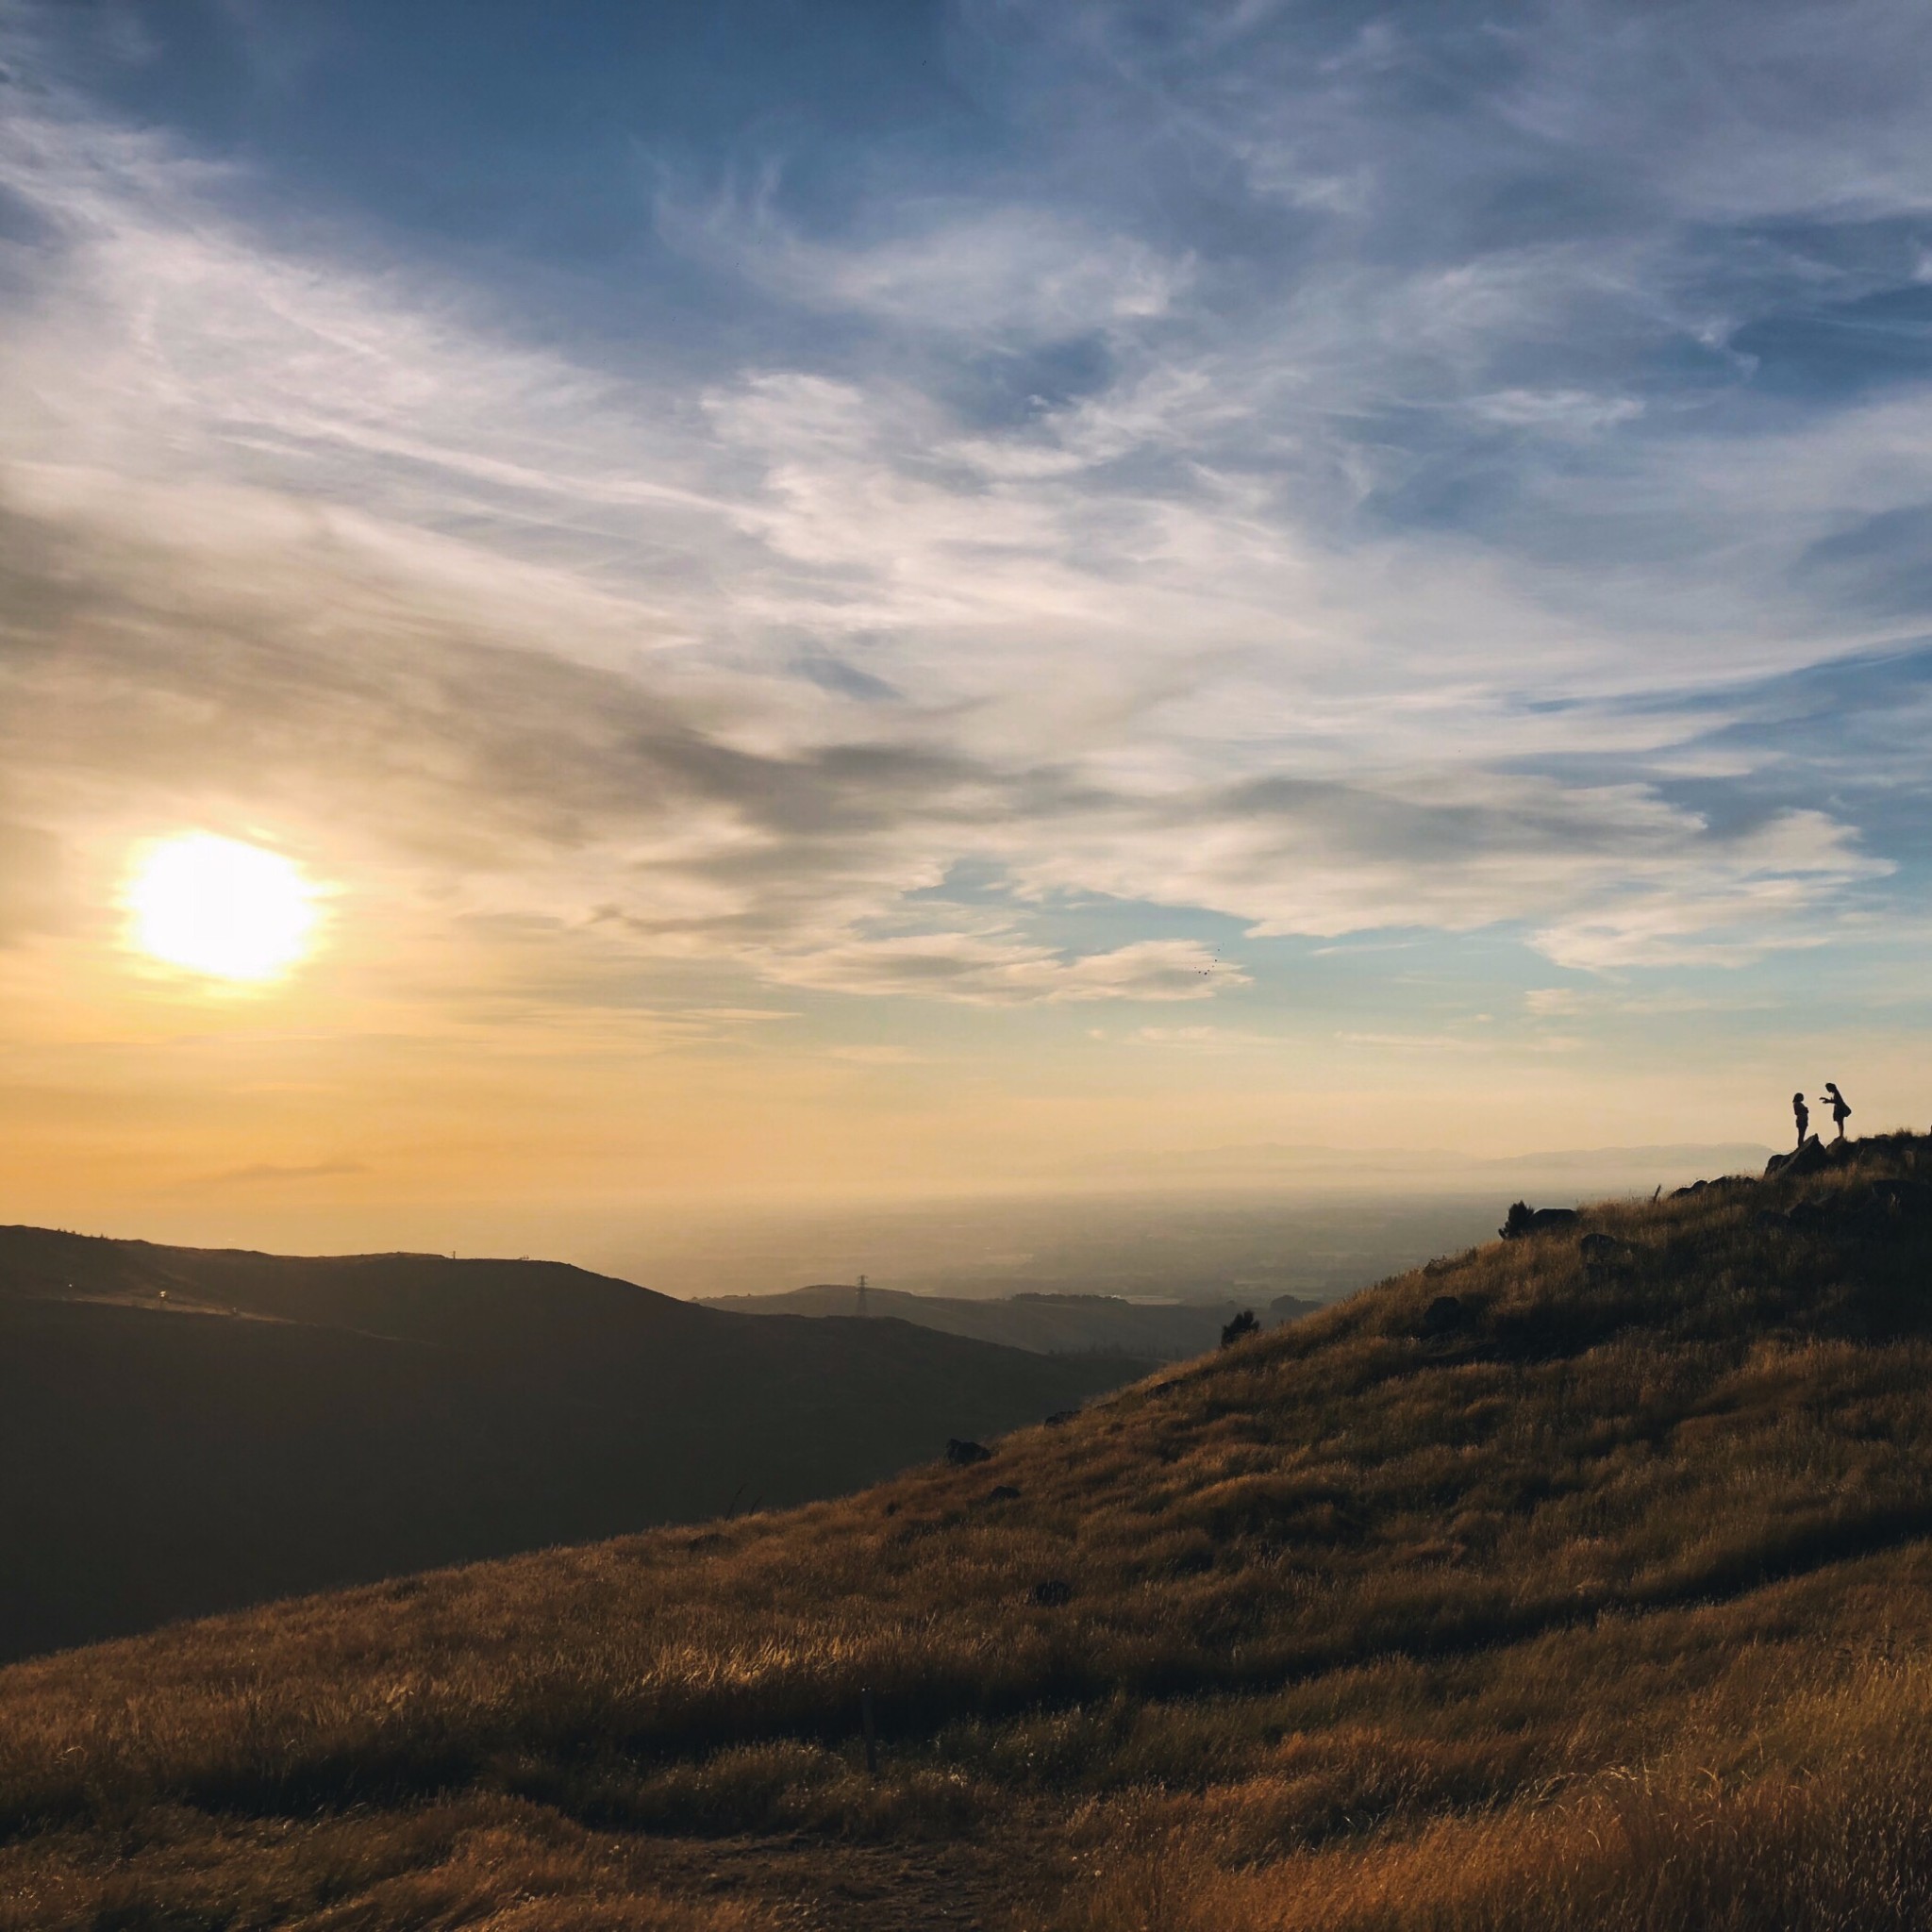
(1240, 1328)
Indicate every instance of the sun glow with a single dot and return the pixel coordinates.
(218, 906)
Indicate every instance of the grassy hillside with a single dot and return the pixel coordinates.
(1596, 1597)
(186, 1431)
(1047, 1324)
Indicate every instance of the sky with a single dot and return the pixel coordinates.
(893, 598)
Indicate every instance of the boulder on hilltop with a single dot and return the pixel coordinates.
(1523, 1219)
(1807, 1157)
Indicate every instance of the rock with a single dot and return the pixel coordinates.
(1874, 1211)
(1809, 1158)
(1445, 1315)
(1602, 1247)
(1061, 1418)
(1053, 1592)
(1523, 1219)
(1903, 1197)
(1003, 1493)
(1771, 1222)
(1724, 1180)
(963, 1455)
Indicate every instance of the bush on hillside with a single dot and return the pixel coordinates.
(1244, 1323)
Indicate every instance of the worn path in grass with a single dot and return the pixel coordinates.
(807, 1884)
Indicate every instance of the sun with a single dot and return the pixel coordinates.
(220, 908)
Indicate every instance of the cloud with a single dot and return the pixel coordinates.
(270, 1171)
(995, 971)
(1562, 409)
(1634, 878)
(1005, 270)
(572, 786)
(1420, 557)
(1415, 1042)
(1553, 1002)
(1205, 1038)
(31, 899)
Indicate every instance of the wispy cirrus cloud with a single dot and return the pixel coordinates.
(1005, 271)
(1367, 542)
(996, 969)
(276, 1175)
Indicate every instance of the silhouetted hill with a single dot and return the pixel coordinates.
(1580, 1581)
(1046, 1323)
(186, 1430)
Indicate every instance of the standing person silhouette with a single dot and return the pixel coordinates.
(1840, 1106)
(1802, 1115)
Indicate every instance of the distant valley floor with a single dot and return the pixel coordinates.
(1045, 1323)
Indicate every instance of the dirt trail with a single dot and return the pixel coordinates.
(815, 1885)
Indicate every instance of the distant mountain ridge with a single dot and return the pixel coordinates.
(186, 1430)
(1046, 1323)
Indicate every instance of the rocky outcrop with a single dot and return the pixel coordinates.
(1523, 1219)
(1809, 1157)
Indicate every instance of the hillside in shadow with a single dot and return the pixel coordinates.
(186, 1430)
(1582, 1580)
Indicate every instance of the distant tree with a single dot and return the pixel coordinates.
(1518, 1221)
(1242, 1324)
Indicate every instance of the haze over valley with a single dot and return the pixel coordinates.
(1255, 1223)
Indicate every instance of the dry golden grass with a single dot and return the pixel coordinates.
(514, 1867)
(1607, 1609)
(1839, 1835)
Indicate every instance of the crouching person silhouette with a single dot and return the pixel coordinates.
(1841, 1107)
(1801, 1114)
